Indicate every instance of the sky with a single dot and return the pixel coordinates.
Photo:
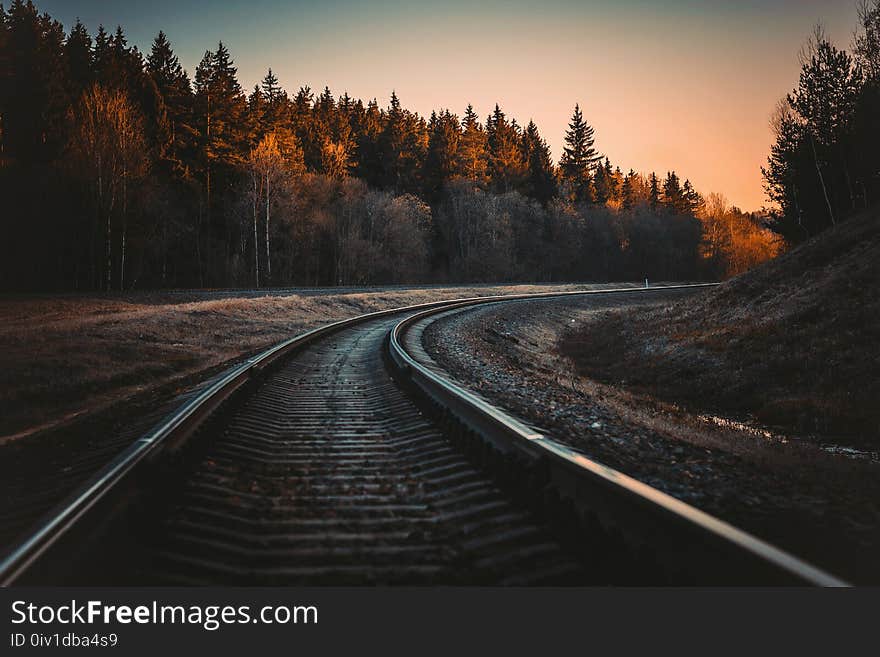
(682, 85)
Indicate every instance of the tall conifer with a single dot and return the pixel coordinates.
(579, 156)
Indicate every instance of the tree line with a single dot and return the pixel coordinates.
(825, 163)
(119, 171)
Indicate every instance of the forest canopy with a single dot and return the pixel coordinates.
(120, 170)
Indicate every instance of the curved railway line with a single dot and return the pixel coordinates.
(342, 456)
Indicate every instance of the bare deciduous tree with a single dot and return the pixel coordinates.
(106, 151)
(732, 240)
(266, 165)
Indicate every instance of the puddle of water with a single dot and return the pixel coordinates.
(852, 452)
(761, 432)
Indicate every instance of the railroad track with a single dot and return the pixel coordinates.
(342, 457)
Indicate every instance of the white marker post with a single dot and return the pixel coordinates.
(646, 282)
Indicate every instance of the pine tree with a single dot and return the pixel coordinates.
(473, 150)
(205, 154)
(415, 148)
(603, 183)
(304, 127)
(654, 193)
(612, 177)
(342, 128)
(601, 186)
(345, 106)
(227, 107)
(507, 167)
(866, 44)
(828, 90)
(270, 88)
(268, 107)
(369, 130)
(579, 156)
(785, 174)
(122, 66)
(325, 108)
(162, 64)
(617, 185)
(173, 85)
(78, 58)
(33, 93)
(540, 182)
(322, 119)
(826, 100)
(673, 199)
(627, 192)
(257, 115)
(402, 146)
(222, 139)
(101, 54)
(345, 123)
(440, 161)
(390, 144)
(692, 201)
(332, 134)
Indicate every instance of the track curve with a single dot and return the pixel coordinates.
(329, 474)
(315, 463)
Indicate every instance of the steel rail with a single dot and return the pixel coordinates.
(697, 541)
(176, 427)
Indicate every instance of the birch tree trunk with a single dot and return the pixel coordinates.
(268, 257)
(106, 149)
(96, 265)
(109, 254)
(256, 242)
(124, 229)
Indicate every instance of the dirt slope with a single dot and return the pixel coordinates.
(793, 344)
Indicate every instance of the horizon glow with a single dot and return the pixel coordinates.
(687, 86)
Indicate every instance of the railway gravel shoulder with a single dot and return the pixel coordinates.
(828, 513)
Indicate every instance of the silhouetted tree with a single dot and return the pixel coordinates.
(173, 86)
(654, 193)
(78, 57)
(540, 182)
(627, 193)
(823, 165)
(579, 156)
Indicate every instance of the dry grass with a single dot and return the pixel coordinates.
(64, 357)
(794, 343)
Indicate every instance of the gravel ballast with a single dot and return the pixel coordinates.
(819, 505)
